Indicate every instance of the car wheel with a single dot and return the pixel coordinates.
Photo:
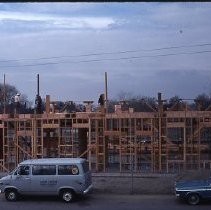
(67, 196)
(193, 199)
(11, 195)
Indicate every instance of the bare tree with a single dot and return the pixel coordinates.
(7, 98)
(202, 101)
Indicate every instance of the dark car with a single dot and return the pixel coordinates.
(193, 191)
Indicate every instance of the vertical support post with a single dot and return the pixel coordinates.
(34, 146)
(38, 84)
(184, 144)
(105, 123)
(184, 148)
(120, 145)
(16, 144)
(135, 147)
(4, 95)
(106, 92)
(159, 146)
(199, 142)
(89, 145)
(104, 148)
(97, 144)
(47, 105)
(131, 153)
(160, 114)
(42, 136)
(152, 145)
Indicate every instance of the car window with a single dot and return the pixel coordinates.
(44, 170)
(68, 170)
(23, 170)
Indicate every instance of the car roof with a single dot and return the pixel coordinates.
(48, 161)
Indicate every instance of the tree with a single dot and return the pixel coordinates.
(202, 101)
(138, 103)
(174, 100)
(10, 92)
(176, 103)
(7, 96)
(124, 96)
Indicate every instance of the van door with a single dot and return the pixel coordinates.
(87, 174)
(21, 179)
(44, 179)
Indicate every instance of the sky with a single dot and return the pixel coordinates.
(145, 48)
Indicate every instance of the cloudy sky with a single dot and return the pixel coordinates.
(145, 48)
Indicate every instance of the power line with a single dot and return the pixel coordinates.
(106, 53)
(111, 59)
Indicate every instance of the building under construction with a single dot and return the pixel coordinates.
(160, 140)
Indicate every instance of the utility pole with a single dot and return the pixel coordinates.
(38, 100)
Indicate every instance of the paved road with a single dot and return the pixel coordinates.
(103, 202)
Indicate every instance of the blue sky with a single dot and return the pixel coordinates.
(145, 48)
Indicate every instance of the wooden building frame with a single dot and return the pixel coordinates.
(164, 141)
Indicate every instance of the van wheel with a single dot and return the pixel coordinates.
(67, 196)
(11, 195)
(193, 199)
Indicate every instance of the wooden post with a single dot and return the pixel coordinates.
(47, 108)
(38, 85)
(160, 113)
(106, 92)
(4, 95)
(184, 144)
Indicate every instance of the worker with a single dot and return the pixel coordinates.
(101, 100)
(17, 103)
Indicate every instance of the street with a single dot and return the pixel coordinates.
(103, 202)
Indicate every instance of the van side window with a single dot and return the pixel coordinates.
(44, 170)
(23, 170)
(68, 170)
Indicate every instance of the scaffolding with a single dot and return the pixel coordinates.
(164, 141)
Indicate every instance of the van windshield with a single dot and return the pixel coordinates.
(85, 166)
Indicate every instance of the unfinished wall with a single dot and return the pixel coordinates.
(123, 141)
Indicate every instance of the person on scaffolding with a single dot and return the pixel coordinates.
(17, 103)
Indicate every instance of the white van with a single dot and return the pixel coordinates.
(65, 177)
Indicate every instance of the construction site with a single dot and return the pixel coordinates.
(156, 141)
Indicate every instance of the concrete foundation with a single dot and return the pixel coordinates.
(134, 184)
(121, 183)
(124, 183)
